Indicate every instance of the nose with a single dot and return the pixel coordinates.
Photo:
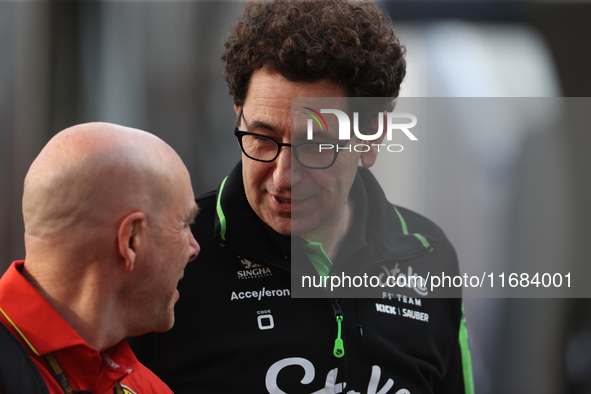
(282, 171)
(286, 173)
(194, 247)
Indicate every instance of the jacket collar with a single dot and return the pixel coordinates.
(239, 228)
(379, 231)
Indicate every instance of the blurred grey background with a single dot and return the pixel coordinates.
(515, 196)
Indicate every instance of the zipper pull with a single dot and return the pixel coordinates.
(339, 347)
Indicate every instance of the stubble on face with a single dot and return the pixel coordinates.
(170, 247)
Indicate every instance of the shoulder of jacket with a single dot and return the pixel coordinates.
(205, 220)
(417, 223)
(205, 197)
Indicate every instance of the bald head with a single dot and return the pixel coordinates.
(90, 176)
(107, 212)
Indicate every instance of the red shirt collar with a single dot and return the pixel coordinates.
(43, 328)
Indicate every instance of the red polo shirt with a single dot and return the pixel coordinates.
(43, 331)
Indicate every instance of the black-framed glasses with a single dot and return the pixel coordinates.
(310, 154)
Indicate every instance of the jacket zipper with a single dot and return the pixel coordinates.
(339, 346)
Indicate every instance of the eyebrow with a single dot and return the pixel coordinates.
(257, 124)
(319, 137)
(192, 214)
(324, 134)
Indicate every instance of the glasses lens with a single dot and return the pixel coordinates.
(315, 155)
(259, 147)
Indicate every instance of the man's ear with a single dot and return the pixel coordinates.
(369, 158)
(237, 108)
(131, 234)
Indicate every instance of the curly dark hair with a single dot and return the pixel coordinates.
(349, 42)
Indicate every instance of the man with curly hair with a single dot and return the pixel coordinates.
(238, 327)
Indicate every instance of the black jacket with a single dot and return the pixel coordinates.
(238, 330)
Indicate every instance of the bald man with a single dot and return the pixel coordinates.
(107, 239)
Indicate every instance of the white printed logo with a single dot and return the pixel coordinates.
(410, 280)
(330, 385)
(266, 322)
(408, 313)
(259, 294)
(253, 270)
